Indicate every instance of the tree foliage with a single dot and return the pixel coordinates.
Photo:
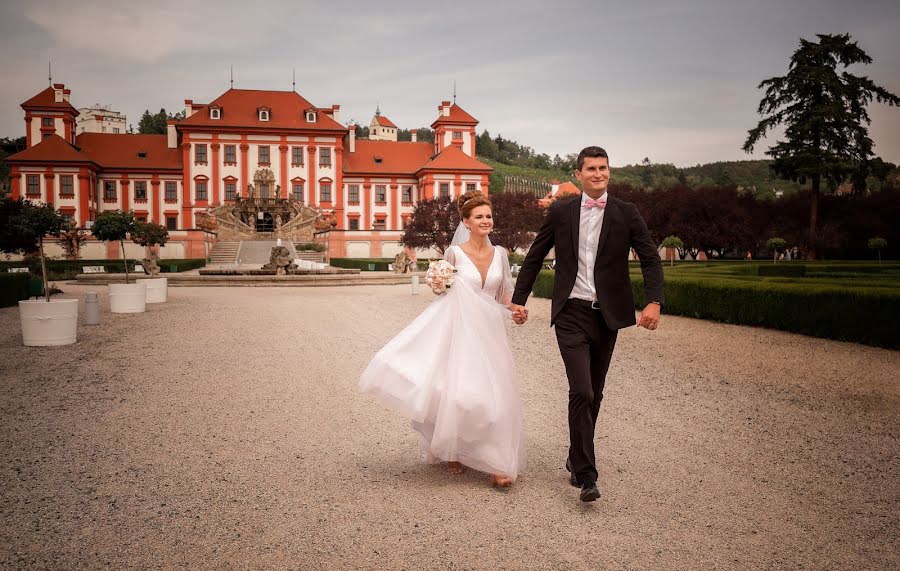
(824, 112)
(156, 123)
(432, 225)
(23, 226)
(517, 218)
(71, 239)
(114, 225)
(149, 234)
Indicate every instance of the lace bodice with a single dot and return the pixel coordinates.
(498, 280)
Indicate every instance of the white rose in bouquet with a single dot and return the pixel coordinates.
(439, 276)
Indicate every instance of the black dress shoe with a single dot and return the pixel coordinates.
(589, 493)
(573, 479)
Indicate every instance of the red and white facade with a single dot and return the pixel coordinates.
(275, 141)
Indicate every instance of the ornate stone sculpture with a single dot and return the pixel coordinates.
(326, 221)
(150, 266)
(280, 260)
(403, 264)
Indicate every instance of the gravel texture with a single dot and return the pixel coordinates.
(224, 429)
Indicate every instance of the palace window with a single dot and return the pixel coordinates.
(115, 129)
(215, 114)
(457, 135)
(230, 190)
(310, 116)
(33, 185)
(171, 190)
(46, 121)
(445, 189)
(230, 155)
(263, 155)
(263, 114)
(325, 157)
(171, 223)
(67, 219)
(297, 189)
(200, 154)
(405, 222)
(109, 190)
(297, 156)
(325, 192)
(380, 194)
(379, 224)
(140, 190)
(142, 218)
(353, 194)
(406, 197)
(66, 185)
(353, 224)
(201, 190)
(470, 186)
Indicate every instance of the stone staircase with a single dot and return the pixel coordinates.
(309, 255)
(224, 252)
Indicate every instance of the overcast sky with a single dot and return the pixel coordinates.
(672, 81)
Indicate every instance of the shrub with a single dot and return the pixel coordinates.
(310, 247)
(543, 285)
(364, 264)
(785, 271)
(849, 314)
(13, 288)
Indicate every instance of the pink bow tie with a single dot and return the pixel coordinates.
(591, 203)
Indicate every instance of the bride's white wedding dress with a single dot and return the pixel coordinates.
(451, 372)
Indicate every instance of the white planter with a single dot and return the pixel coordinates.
(157, 289)
(53, 323)
(128, 298)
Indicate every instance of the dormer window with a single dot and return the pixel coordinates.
(378, 160)
(310, 116)
(215, 113)
(263, 113)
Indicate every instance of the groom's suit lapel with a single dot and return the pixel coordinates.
(575, 221)
(611, 214)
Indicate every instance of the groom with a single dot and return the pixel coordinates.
(593, 234)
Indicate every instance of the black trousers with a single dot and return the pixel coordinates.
(586, 345)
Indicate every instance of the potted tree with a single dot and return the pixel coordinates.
(116, 225)
(672, 243)
(775, 245)
(44, 321)
(151, 235)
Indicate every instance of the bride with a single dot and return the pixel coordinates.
(451, 371)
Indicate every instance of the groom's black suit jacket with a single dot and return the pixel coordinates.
(623, 228)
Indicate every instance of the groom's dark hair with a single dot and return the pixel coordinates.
(593, 152)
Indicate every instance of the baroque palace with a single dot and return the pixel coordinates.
(249, 164)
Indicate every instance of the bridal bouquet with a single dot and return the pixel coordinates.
(439, 276)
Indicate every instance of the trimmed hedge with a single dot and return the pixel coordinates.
(68, 269)
(13, 288)
(782, 271)
(364, 264)
(854, 314)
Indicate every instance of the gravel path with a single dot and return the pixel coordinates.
(224, 429)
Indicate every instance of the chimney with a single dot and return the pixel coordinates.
(58, 89)
(445, 108)
(336, 113)
(171, 134)
(188, 107)
(66, 94)
(352, 145)
(414, 134)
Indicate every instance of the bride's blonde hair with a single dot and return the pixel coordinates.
(470, 201)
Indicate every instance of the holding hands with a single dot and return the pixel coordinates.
(649, 318)
(519, 313)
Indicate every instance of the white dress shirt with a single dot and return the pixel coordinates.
(588, 238)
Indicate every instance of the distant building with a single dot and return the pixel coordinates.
(99, 119)
(275, 142)
(381, 128)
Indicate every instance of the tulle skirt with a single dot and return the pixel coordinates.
(451, 372)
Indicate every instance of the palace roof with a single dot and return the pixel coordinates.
(387, 157)
(457, 117)
(453, 159)
(127, 151)
(53, 149)
(46, 99)
(239, 110)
